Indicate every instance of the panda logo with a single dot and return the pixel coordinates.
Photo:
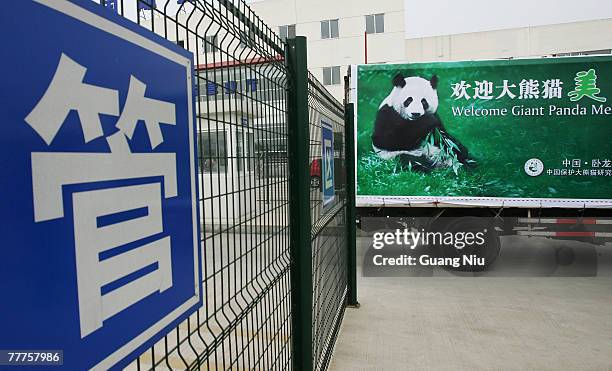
(534, 167)
(407, 126)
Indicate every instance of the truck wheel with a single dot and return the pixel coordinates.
(486, 253)
(565, 256)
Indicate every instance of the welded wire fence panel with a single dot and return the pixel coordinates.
(241, 84)
(328, 219)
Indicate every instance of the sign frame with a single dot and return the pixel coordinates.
(381, 200)
(96, 18)
(327, 165)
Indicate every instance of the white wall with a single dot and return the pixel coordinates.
(444, 17)
(349, 47)
(519, 42)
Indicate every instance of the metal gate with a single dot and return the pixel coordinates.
(275, 260)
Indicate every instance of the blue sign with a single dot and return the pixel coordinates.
(327, 161)
(211, 88)
(146, 4)
(231, 87)
(100, 251)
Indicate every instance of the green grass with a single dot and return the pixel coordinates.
(390, 178)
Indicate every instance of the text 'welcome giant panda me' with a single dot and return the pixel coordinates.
(406, 126)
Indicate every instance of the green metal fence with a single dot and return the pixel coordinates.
(274, 259)
(319, 233)
(329, 222)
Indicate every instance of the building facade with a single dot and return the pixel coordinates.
(336, 33)
(242, 95)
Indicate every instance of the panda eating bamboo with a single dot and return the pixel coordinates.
(407, 126)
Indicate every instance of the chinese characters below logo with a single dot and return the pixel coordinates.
(574, 167)
(98, 227)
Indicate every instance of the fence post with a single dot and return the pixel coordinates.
(351, 228)
(299, 205)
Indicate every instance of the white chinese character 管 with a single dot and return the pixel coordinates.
(67, 92)
(52, 170)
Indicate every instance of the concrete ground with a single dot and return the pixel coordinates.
(514, 318)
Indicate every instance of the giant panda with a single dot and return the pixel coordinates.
(405, 118)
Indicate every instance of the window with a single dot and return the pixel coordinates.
(270, 89)
(329, 29)
(212, 152)
(286, 32)
(331, 75)
(375, 23)
(210, 44)
(245, 151)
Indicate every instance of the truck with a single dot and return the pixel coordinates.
(513, 147)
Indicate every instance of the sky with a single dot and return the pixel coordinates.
(447, 17)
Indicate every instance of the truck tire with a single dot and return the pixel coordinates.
(565, 255)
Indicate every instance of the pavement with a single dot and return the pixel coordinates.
(526, 313)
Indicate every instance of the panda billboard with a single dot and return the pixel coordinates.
(522, 133)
